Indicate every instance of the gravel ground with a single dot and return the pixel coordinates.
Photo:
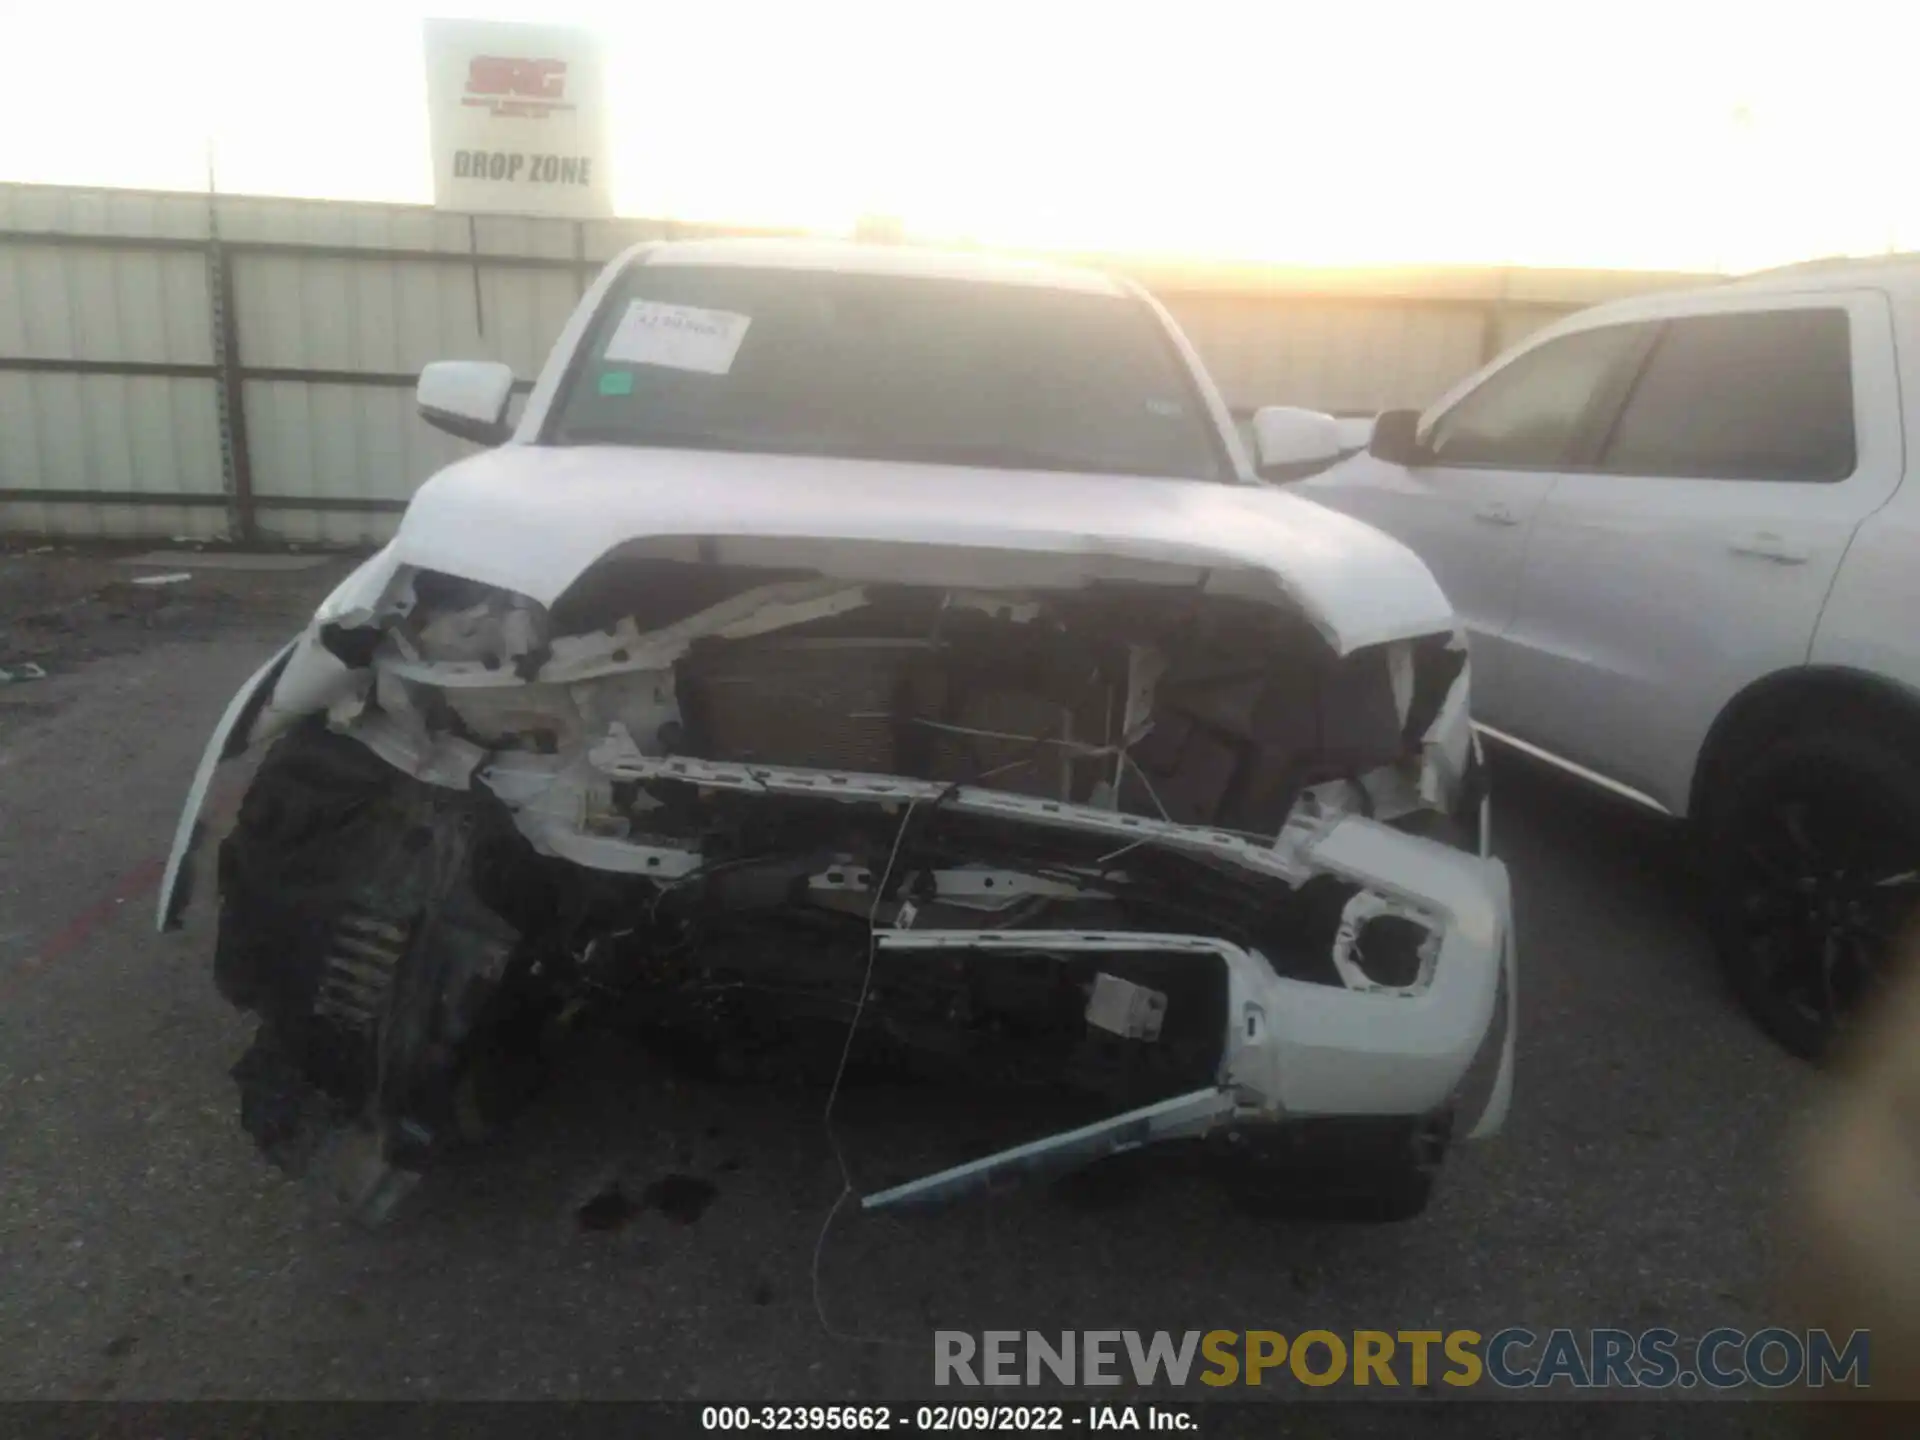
(149, 1252)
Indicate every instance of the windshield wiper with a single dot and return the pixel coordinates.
(985, 456)
(661, 439)
(997, 457)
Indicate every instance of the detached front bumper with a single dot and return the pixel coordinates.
(1293, 1048)
(1300, 1055)
(1349, 1052)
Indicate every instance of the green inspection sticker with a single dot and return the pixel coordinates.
(616, 382)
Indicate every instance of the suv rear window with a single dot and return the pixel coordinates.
(1758, 396)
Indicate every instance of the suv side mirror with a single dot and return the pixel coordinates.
(1396, 439)
(467, 398)
(1290, 443)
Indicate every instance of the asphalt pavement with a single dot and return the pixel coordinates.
(146, 1249)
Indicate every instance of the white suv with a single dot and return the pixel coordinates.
(1677, 531)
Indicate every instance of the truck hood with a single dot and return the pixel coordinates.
(532, 519)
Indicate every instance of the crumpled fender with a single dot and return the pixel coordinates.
(241, 713)
(303, 676)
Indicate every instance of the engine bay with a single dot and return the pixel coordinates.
(1194, 706)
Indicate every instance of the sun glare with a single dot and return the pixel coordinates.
(1700, 136)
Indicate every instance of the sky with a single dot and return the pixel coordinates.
(1689, 135)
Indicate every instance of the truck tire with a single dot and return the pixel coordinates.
(1813, 866)
(393, 998)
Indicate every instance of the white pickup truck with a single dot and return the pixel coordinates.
(873, 653)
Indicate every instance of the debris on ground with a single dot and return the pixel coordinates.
(683, 1199)
(261, 560)
(67, 610)
(609, 1209)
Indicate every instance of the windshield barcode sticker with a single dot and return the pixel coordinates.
(679, 337)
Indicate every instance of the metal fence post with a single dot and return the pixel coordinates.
(1493, 328)
(1490, 329)
(473, 249)
(230, 396)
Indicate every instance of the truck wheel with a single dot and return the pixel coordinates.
(1361, 1171)
(397, 1002)
(1813, 867)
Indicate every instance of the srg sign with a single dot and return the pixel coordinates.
(518, 127)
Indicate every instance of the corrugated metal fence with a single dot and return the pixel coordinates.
(234, 367)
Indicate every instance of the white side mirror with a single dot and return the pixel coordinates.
(467, 398)
(1289, 442)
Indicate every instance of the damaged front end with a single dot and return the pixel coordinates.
(1132, 833)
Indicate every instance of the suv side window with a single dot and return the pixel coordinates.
(1528, 415)
(1764, 395)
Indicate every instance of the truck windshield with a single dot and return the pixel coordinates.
(887, 367)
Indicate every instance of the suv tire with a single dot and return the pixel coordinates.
(1813, 865)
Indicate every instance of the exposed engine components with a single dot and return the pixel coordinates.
(1136, 852)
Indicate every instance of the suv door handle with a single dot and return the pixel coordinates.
(1495, 512)
(1766, 545)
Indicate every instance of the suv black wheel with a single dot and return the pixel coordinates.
(1813, 853)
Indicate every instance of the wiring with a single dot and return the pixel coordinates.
(1079, 747)
(839, 1073)
(1126, 755)
(1122, 753)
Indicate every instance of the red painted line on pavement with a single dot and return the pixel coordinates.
(74, 933)
(77, 931)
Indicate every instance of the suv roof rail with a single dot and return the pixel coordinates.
(1834, 262)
